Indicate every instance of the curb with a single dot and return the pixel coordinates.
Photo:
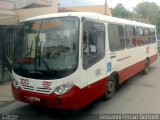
(6, 96)
(5, 103)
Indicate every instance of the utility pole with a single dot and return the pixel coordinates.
(133, 13)
(105, 7)
(155, 21)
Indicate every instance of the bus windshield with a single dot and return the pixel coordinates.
(47, 48)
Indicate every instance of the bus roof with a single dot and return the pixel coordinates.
(94, 16)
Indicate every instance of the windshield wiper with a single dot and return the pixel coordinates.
(36, 45)
(41, 59)
(28, 54)
(30, 50)
(38, 51)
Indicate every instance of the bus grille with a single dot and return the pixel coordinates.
(28, 88)
(38, 89)
(43, 90)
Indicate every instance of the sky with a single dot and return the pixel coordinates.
(128, 4)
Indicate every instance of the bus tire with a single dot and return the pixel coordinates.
(110, 88)
(146, 67)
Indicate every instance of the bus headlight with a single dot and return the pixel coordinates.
(15, 83)
(62, 89)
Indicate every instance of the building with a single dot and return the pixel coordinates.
(97, 9)
(9, 21)
(7, 5)
(22, 3)
(8, 25)
(40, 7)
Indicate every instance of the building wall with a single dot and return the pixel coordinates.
(22, 3)
(8, 17)
(32, 12)
(6, 5)
(97, 9)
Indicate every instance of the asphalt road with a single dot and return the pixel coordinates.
(139, 95)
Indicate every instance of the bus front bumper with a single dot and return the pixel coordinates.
(69, 101)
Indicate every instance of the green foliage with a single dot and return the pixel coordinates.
(158, 21)
(147, 9)
(121, 12)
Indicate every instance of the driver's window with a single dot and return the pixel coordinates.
(93, 43)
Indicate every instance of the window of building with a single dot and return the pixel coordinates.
(93, 43)
(116, 37)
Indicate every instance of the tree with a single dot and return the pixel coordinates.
(147, 10)
(121, 12)
(157, 21)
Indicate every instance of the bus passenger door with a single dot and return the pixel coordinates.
(93, 56)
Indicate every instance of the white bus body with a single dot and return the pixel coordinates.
(117, 50)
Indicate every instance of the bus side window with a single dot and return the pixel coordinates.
(93, 43)
(147, 36)
(116, 37)
(153, 37)
(140, 36)
(130, 37)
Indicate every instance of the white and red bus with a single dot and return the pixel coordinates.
(68, 60)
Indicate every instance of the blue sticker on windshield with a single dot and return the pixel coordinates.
(109, 67)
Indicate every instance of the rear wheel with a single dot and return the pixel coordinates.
(146, 67)
(110, 88)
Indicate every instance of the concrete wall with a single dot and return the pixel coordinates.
(22, 3)
(6, 5)
(8, 17)
(32, 12)
(97, 9)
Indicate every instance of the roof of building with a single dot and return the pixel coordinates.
(34, 5)
(7, 5)
(63, 9)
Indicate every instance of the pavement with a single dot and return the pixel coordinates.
(6, 96)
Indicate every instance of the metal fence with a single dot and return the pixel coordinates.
(7, 42)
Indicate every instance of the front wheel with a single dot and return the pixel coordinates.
(110, 88)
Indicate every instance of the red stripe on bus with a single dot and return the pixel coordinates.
(134, 69)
